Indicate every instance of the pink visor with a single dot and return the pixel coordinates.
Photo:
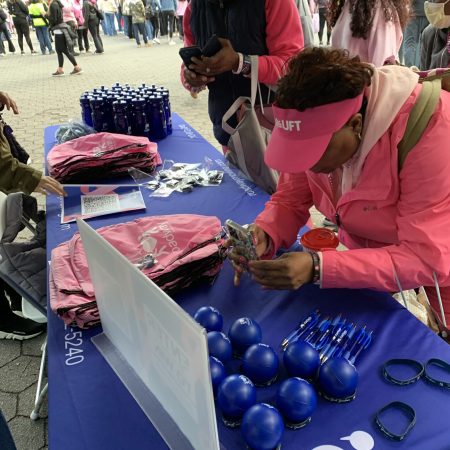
(300, 138)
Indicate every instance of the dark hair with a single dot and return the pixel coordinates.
(317, 76)
(363, 13)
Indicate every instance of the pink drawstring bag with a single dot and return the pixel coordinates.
(174, 251)
(104, 155)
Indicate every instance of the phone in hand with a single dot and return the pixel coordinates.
(187, 53)
(211, 47)
(242, 240)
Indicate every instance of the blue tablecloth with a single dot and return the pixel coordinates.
(89, 408)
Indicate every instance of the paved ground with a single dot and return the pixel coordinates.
(42, 101)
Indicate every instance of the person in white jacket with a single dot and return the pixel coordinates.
(109, 8)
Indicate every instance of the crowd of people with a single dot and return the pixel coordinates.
(71, 27)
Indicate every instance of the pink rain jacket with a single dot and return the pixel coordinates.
(185, 246)
(391, 222)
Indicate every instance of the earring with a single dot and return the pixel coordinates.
(358, 135)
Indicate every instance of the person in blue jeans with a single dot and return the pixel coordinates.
(38, 12)
(109, 8)
(412, 35)
(168, 12)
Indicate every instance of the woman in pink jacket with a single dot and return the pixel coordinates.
(338, 122)
(371, 29)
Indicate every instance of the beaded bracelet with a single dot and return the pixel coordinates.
(316, 267)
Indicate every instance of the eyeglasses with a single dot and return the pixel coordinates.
(399, 406)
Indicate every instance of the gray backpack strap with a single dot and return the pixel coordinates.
(419, 117)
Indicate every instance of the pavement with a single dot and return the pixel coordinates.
(44, 100)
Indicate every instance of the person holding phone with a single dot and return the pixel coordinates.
(270, 29)
(339, 122)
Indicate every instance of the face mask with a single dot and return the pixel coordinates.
(435, 14)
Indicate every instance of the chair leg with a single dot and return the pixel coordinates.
(40, 394)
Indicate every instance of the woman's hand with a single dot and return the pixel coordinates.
(50, 185)
(196, 80)
(289, 271)
(261, 241)
(6, 100)
(224, 60)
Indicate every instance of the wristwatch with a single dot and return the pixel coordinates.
(246, 65)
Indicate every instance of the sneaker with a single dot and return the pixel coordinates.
(156, 41)
(88, 51)
(148, 44)
(22, 53)
(139, 46)
(51, 52)
(76, 71)
(2, 55)
(57, 74)
(172, 42)
(33, 52)
(15, 327)
(98, 53)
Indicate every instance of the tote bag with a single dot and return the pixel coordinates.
(248, 141)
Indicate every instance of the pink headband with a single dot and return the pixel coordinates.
(300, 138)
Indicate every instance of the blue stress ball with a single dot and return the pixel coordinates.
(209, 318)
(219, 346)
(243, 333)
(296, 400)
(235, 395)
(218, 372)
(301, 360)
(262, 427)
(338, 379)
(260, 364)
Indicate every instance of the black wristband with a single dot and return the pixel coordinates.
(406, 362)
(403, 407)
(442, 365)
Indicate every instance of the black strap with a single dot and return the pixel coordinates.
(407, 362)
(403, 407)
(438, 363)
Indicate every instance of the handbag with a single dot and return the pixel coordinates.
(16, 149)
(248, 141)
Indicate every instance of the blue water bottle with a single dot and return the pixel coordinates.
(167, 111)
(138, 123)
(110, 99)
(98, 118)
(158, 127)
(86, 112)
(121, 122)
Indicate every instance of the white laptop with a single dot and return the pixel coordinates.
(154, 346)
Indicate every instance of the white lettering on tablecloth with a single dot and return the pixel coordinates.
(237, 179)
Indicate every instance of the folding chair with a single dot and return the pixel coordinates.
(33, 304)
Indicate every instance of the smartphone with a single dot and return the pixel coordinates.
(187, 53)
(212, 46)
(242, 240)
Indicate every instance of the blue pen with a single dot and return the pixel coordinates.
(320, 333)
(301, 326)
(365, 344)
(324, 339)
(336, 334)
(345, 341)
(357, 340)
(311, 325)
